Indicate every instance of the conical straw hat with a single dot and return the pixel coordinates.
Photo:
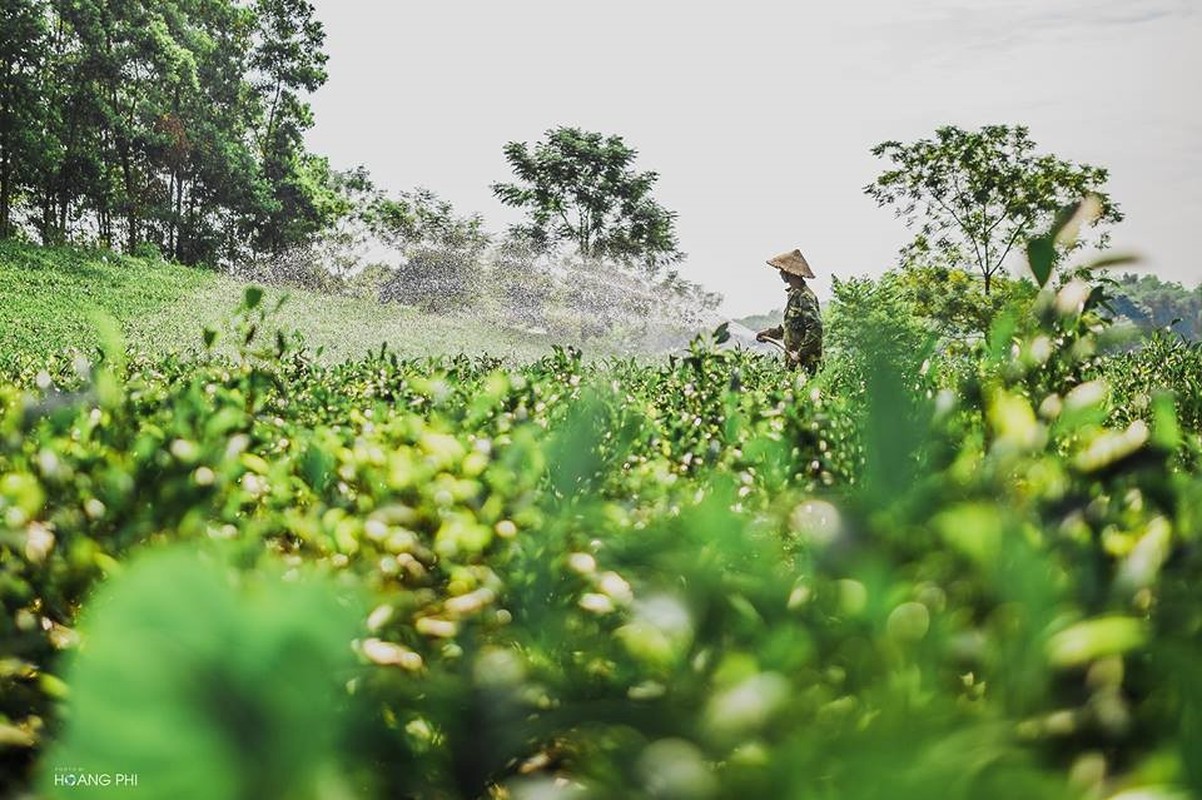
(793, 263)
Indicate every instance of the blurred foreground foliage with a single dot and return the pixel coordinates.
(953, 572)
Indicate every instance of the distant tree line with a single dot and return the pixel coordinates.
(1152, 303)
(176, 128)
(174, 125)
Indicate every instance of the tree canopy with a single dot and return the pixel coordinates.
(581, 187)
(974, 196)
(171, 125)
(1151, 303)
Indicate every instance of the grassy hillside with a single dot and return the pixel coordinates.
(52, 298)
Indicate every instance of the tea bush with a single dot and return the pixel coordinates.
(907, 576)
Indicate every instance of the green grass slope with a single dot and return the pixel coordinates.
(55, 299)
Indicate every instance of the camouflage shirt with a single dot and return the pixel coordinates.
(802, 329)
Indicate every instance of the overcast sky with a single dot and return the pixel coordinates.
(759, 115)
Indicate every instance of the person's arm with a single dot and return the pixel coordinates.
(777, 332)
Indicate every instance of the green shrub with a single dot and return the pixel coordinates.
(698, 578)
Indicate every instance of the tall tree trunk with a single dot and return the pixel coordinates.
(6, 155)
(47, 225)
(5, 171)
(64, 206)
(5, 190)
(179, 215)
(131, 213)
(105, 218)
(189, 227)
(269, 131)
(171, 215)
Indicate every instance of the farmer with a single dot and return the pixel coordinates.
(802, 328)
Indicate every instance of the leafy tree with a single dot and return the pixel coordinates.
(213, 169)
(438, 252)
(955, 306)
(174, 126)
(72, 122)
(422, 219)
(902, 310)
(132, 64)
(288, 61)
(22, 35)
(442, 252)
(1152, 303)
(974, 195)
(405, 222)
(580, 187)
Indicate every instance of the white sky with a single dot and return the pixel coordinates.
(759, 115)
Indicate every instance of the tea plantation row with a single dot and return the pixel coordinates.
(910, 576)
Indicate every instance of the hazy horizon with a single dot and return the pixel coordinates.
(760, 119)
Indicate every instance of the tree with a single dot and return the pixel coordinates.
(580, 187)
(954, 306)
(212, 172)
(974, 195)
(1152, 303)
(422, 219)
(22, 36)
(441, 251)
(176, 126)
(288, 61)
